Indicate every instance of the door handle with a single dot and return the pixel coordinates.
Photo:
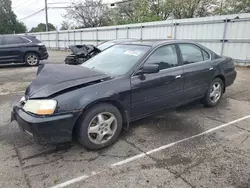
(211, 68)
(179, 76)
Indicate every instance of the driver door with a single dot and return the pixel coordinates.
(157, 91)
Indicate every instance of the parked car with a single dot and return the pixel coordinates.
(82, 53)
(124, 83)
(20, 49)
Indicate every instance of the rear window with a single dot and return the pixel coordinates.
(190, 53)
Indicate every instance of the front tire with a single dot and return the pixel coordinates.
(32, 59)
(99, 127)
(214, 93)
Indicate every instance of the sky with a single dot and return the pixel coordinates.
(23, 8)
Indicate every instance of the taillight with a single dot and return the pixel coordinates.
(42, 48)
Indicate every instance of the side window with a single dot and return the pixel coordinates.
(13, 40)
(205, 55)
(1, 40)
(165, 57)
(25, 40)
(190, 53)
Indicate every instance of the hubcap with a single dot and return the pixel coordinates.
(102, 128)
(32, 59)
(215, 92)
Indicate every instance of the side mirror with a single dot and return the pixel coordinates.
(148, 69)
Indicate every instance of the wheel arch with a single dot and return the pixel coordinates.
(118, 105)
(29, 52)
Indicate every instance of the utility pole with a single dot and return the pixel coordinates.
(46, 15)
(221, 7)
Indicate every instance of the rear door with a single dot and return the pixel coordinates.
(157, 91)
(198, 70)
(12, 48)
(2, 54)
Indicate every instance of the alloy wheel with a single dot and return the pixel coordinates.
(32, 59)
(215, 92)
(102, 128)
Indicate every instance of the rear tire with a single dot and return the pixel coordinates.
(214, 93)
(99, 127)
(32, 59)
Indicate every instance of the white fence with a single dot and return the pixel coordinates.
(227, 35)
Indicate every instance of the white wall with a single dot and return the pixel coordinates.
(226, 35)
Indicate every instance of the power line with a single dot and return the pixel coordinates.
(28, 7)
(111, 4)
(41, 10)
(20, 4)
(25, 4)
(28, 3)
(58, 3)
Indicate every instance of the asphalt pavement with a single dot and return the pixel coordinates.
(190, 146)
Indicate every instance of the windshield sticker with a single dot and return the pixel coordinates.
(133, 53)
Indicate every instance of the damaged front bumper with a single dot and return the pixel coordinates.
(74, 60)
(45, 130)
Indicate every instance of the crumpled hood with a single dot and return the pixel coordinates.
(56, 78)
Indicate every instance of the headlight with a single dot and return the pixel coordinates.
(40, 107)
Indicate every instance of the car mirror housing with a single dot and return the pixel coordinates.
(148, 69)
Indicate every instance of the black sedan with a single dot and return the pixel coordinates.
(124, 83)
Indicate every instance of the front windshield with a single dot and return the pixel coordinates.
(117, 60)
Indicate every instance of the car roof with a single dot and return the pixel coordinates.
(13, 35)
(116, 41)
(9, 35)
(154, 43)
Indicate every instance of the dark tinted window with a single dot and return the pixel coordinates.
(190, 53)
(1, 40)
(165, 57)
(205, 55)
(13, 40)
(25, 40)
(32, 38)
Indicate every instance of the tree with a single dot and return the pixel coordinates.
(242, 6)
(65, 25)
(233, 7)
(134, 12)
(8, 21)
(42, 28)
(154, 10)
(90, 13)
(20, 27)
(192, 8)
(162, 8)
